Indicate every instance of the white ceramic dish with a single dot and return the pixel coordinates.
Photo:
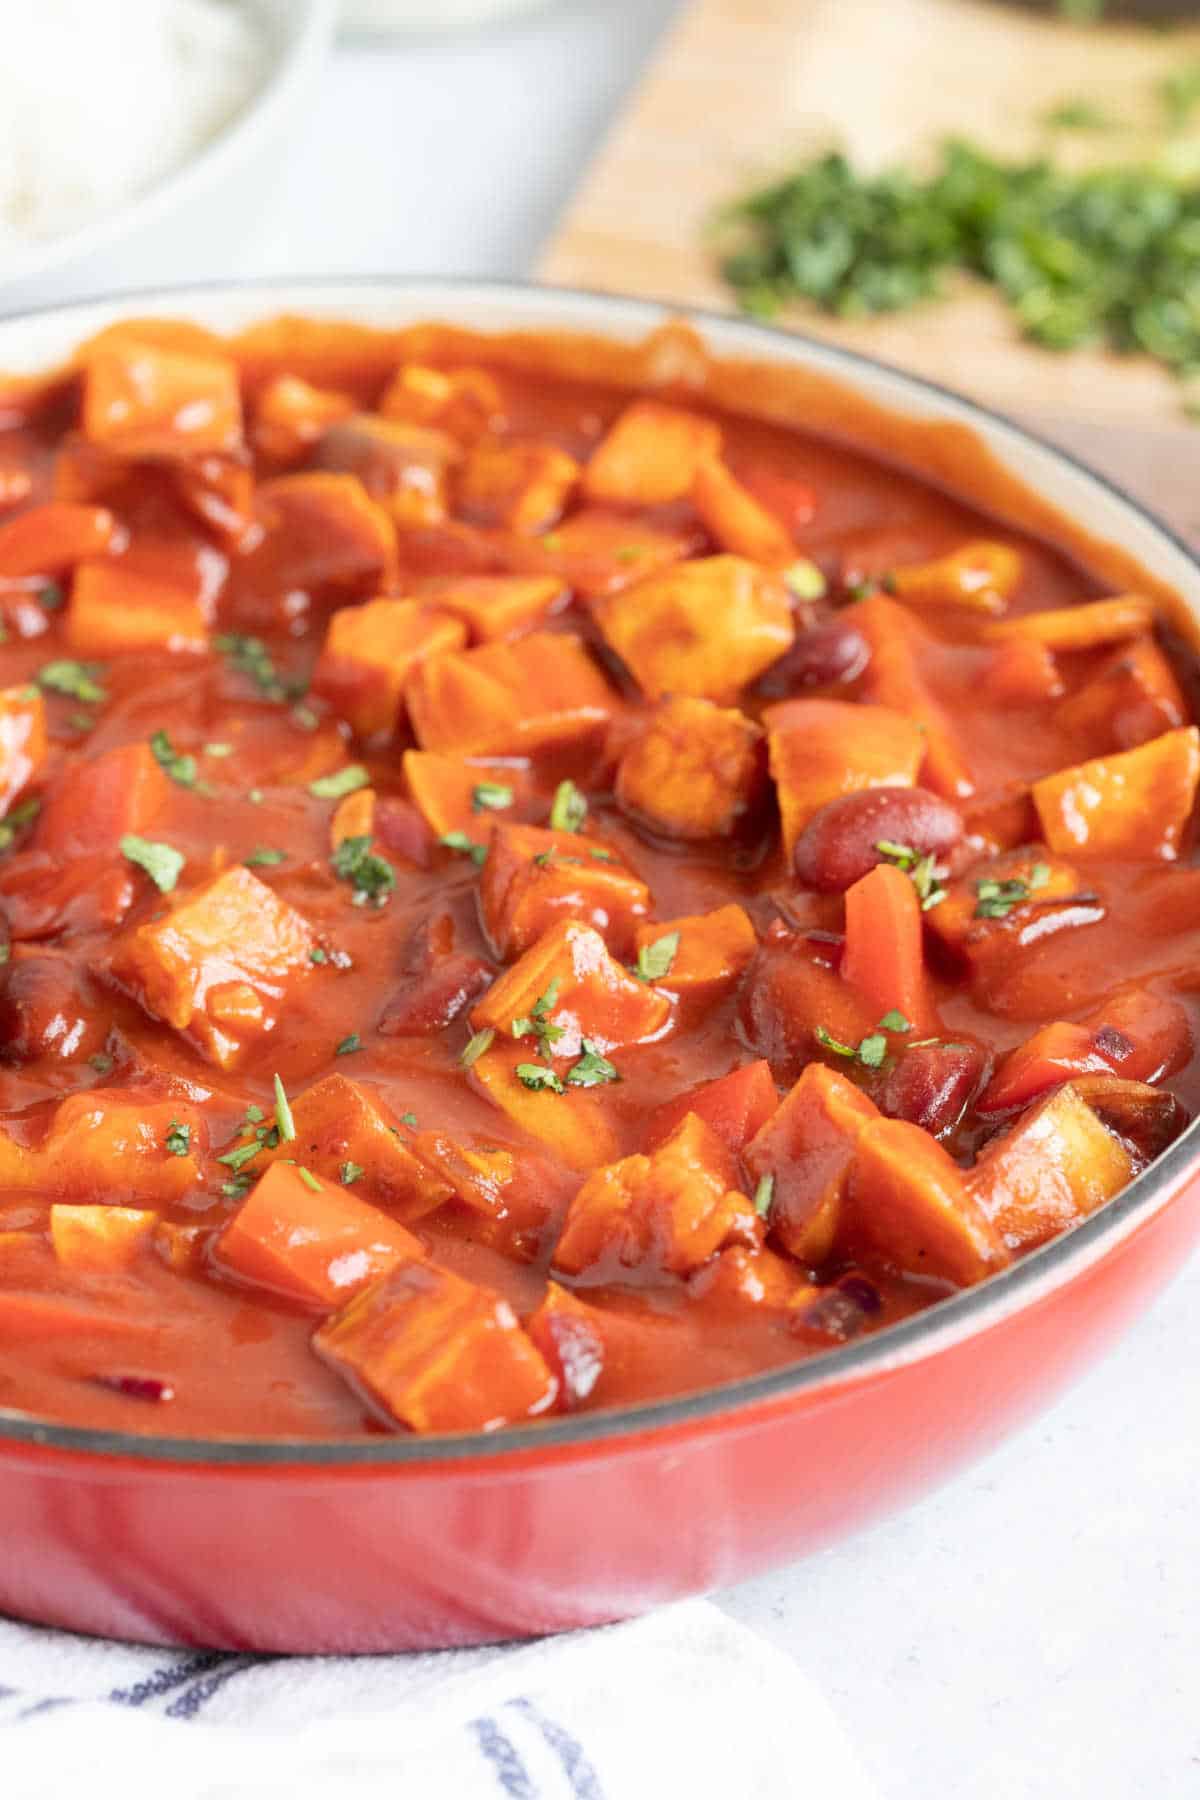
(214, 196)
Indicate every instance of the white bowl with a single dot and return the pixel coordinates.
(214, 196)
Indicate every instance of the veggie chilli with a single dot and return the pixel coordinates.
(520, 896)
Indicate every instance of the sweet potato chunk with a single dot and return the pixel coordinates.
(369, 653)
(979, 577)
(533, 877)
(591, 995)
(714, 951)
(114, 608)
(509, 699)
(736, 520)
(464, 402)
(1134, 804)
(671, 1210)
(751, 1278)
(1054, 1166)
(217, 967)
(92, 805)
(1024, 672)
(599, 552)
(405, 468)
(100, 1239)
(309, 1239)
(112, 1144)
(570, 1336)
(22, 741)
(694, 770)
(804, 1150)
(574, 1126)
(821, 749)
(144, 400)
(1081, 627)
(496, 606)
(320, 540)
(516, 487)
(911, 1205)
(737, 1106)
(46, 540)
(353, 817)
(437, 1353)
(650, 455)
(290, 415)
(342, 1124)
(893, 678)
(1131, 698)
(452, 794)
(705, 627)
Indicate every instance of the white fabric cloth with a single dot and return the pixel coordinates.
(683, 1702)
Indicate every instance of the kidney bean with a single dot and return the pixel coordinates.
(823, 656)
(433, 999)
(46, 1010)
(837, 846)
(931, 1084)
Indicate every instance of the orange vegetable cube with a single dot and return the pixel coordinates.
(230, 939)
(736, 520)
(715, 950)
(592, 996)
(821, 749)
(598, 552)
(437, 1353)
(144, 400)
(650, 455)
(1133, 804)
(405, 468)
(464, 402)
(574, 1126)
(1131, 698)
(694, 771)
(453, 794)
(290, 415)
(114, 609)
(910, 1203)
(515, 1196)
(673, 1209)
(93, 804)
(884, 954)
(496, 606)
(309, 1239)
(100, 1239)
(22, 741)
(893, 678)
(1081, 627)
(509, 699)
(369, 653)
(570, 1336)
(751, 1278)
(353, 817)
(1030, 887)
(341, 1122)
(533, 877)
(737, 1106)
(1024, 672)
(705, 627)
(517, 487)
(45, 540)
(111, 1144)
(320, 540)
(1054, 1166)
(981, 577)
(805, 1149)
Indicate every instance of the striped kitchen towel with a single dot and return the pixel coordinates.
(682, 1702)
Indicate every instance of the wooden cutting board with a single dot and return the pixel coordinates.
(740, 88)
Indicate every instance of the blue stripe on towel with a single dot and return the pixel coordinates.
(163, 1680)
(583, 1779)
(197, 1697)
(500, 1751)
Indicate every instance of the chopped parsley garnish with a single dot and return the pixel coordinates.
(318, 955)
(308, 1178)
(370, 876)
(305, 717)
(254, 1114)
(218, 750)
(233, 1190)
(655, 960)
(922, 871)
(263, 857)
(51, 596)
(538, 1075)
(350, 1172)
(181, 768)
(178, 1141)
(996, 899)
(349, 1045)
(539, 1023)
(250, 657)
(285, 1125)
(599, 855)
(162, 862)
(18, 818)
(340, 783)
(592, 1069)
(804, 579)
(239, 1155)
(462, 845)
(764, 1193)
(569, 809)
(101, 1063)
(409, 1119)
(872, 1050)
(491, 796)
(75, 679)
(895, 1021)
(476, 1046)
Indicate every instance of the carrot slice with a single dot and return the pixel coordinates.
(884, 955)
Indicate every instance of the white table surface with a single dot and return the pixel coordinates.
(1032, 1630)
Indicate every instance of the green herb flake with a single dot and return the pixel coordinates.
(161, 862)
(318, 955)
(18, 818)
(828, 1042)
(284, 1123)
(349, 1045)
(539, 1076)
(305, 718)
(342, 782)
(764, 1194)
(264, 857)
(51, 597)
(592, 1069)
(804, 579)
(569, 809)
(75, 679)
(102, 1064)
(598, 855)
(308, 1178)
(996, 899)
(350, 1172)
(181, 769)
(409, 1119)
(371, 878)
(873, 1050)
(655, 960)
(178, 1141)
(218, 750)
(254, 1115)
(895, 1021)
(462, 845)
(922, 871)
(240, 1155)
(476, 1046)
(249, 656)
(491, 796)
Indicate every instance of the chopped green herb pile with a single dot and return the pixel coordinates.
(369, 875)
(1109, 256)
(996, 899)
(462, 845)
(162, 862)
(75, 679)
(181, 769)
(178, 1141)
